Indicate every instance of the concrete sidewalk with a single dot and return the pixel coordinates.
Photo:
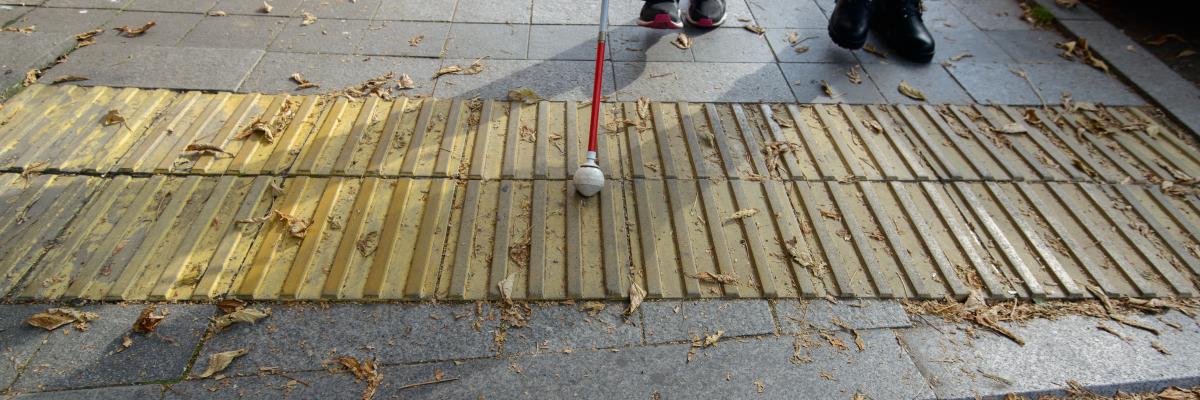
(671, 349)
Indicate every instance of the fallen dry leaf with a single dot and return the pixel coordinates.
(744, 213)
(19, 29)
(148, 321)
(405, 82)
(31, 77)
(682, 41)
(1163, 39)
(68, 78)
(643, 107)
(219, 361)
(523, 94)
(55, 317)
(367, 371)
(129, 31)
(301, 82)
(266, 8)
(833, 215)
(1186, 53)
(230, 305)
(827, 88)
(506, 287)
(247, 315)
(452, 69)
(416, 40)
(217, 13)
(854, 75)
(960, 57)
(712, 339)
(911, 92)
(204, 148)
(636, 295)
(593, 308)
(1068, 4)
(756, 29)
(871, 49)
(112, 117)
(309, 19)
(718, 278)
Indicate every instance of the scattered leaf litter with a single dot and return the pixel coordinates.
(296, 227)
(55, 317)
(366, 371)
(219, 361)
(128, 31)
(147, 321)
(910, 91)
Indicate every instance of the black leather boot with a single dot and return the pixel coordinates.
(848, 24)
(900, 24)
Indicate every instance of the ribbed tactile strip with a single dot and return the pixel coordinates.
(423, 198)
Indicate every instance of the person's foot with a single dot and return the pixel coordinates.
(706, 13)
(848, 24)
(900, 24)
(660, 14)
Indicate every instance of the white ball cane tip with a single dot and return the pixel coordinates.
(589, 180)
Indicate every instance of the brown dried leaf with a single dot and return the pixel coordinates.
(854, 75)
(718, 278)
(55, 317)
(205, 148)
(247, 315)
(266, 8)
(524, 95)
(801, 49)
(309, 19)
(148, 321)
(1163, 39)
(710, 340)
(112, 117)
(506, 287)
(301, 82)
(452, 69)
(405, 82)
(31, 77)
(416, 40)
(367, 371)
(19, 29)
(960, 57)
(758, 30)
(910, 91)
(833, 215)
(682, 41)
(871, 49)
(827, 88)
(743, 213)
(643, 107)
(219, 361)
(636, 296)
(129, 31)
(68, 78)
(230, 305)
(593, 308)
(218, 13)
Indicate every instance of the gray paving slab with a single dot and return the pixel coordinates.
(814, 44)
(555, 327)
(635, 43)
(941, 15)
(1031, 46)
(335, 72)
(798, 315)
(1171, 91)
(391, 38)
(326, 36)
(279, 8)
(18, 341)
(732, 82)
(993, 15)
(235, 31)
(66, 20)
(997, 83)
(1071, 348)
(20, 52)
(192, 6)
(564, 42)
(729, 45)
(554, 80)
(302, 337)
(12, 13)
(109, 4)
(937, 84)
(571, 12)
(347, 9)
(955, 44)
(74, 359)
(1079, 12)
(806, 81)
(494, 41)
(295, 385)
(169, 28)
(1084, 82)
(672, 321)
(494, 11)
(140, 392)
(786, 14)
(21, 2)
(440, 10)
(752, 368)
(181, 68)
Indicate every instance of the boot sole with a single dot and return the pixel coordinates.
(661, 23)
(848, 43)
(713, 24)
